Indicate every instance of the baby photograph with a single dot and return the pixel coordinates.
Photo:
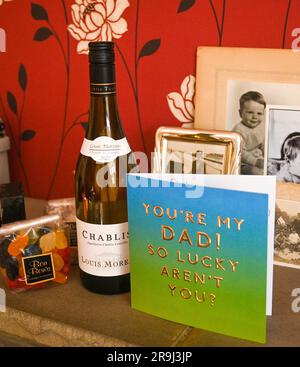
(246, 114)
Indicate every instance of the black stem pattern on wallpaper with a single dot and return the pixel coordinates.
(22, 76)
(15, 145)
(286, 22)
(77, 121)
(127, 70)
(220, 25)
(20, 119)
(67, 63)
(148, 49)
(25, 135)
(135, 93)
(38, 12)
(136, 100)
(136, 75)
(60, 44)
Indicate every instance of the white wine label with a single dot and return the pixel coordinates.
(105, 149)
(103, 250)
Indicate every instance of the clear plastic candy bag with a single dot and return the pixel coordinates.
(35, 253)
(66, 209)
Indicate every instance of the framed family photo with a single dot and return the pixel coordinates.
(287, 225)
(234, 87)
(181, 150)
(287, 233)
(282, 141)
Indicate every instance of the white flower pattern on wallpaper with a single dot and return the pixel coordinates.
(97, 20)
(182, 105)
(4, 1)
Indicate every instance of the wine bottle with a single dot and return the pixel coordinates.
(100, 183)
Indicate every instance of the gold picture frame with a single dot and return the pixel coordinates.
(180, 150)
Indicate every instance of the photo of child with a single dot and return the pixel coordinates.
(284, 143)
(290, 169)
(247, 113)
(252, 129)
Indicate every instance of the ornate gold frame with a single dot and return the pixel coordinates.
(231, 141)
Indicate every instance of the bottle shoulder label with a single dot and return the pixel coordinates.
(103, 250)
(105, 149)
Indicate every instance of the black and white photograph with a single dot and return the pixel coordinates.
(246, 114)
(189, 157)
(287, 233)
(283, 143)
(181, 150)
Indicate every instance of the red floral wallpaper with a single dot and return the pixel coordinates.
(44, 90)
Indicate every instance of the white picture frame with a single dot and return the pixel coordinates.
(226, 73)
(216, 66)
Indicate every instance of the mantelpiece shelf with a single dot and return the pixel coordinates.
(69, 315)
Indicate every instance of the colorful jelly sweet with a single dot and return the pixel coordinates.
(48, 242)
(33, 236)
(32, 250)
(58, 261)
(61, 240)
(17, 245)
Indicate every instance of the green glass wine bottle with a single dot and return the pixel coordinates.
(100, 183)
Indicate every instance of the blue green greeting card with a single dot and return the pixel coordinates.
(200, 256)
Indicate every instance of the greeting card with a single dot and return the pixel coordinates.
(201, 250)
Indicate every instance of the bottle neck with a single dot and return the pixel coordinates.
(102, 73)
(104, 118)
(102, 79)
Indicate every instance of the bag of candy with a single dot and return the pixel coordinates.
(35, 253)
